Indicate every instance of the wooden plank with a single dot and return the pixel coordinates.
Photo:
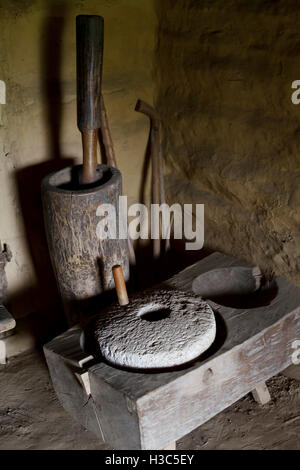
(68, 346)
(154, 409)
(71, 391)
(180, 406)
(2, 351)
(116, 414)
(84, 379)
(261, 394)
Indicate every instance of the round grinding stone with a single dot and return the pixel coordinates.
(157, 329)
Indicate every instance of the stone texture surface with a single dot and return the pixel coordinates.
(231, 133)
(157, 329)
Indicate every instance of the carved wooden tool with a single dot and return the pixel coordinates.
(158, 187)
(146, 109)
(82, 259)
(89, 42)
(120, 285)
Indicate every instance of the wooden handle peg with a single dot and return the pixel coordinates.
(120, 285)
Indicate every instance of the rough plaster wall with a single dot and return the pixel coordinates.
(39, 133)
(232, 134)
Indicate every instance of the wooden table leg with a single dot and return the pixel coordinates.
(171, 446)
(261, 394)
(2, 352)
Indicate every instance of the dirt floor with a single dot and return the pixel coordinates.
(32, 418)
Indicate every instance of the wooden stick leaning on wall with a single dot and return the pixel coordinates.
(158, 187)
(106, 136)
(111, 161)
(163, 197)
(150, 112)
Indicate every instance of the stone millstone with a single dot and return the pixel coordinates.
(157, 329)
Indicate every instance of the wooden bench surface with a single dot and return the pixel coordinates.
(238, 325)
(150, 410)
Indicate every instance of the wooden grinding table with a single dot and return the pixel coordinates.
(134, 410)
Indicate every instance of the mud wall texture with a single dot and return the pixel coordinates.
(38, 132)
(231, 133)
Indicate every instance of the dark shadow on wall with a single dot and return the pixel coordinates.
(50, 319)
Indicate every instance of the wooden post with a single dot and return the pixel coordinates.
(261, 394)
(146, 109)
(120, 285)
